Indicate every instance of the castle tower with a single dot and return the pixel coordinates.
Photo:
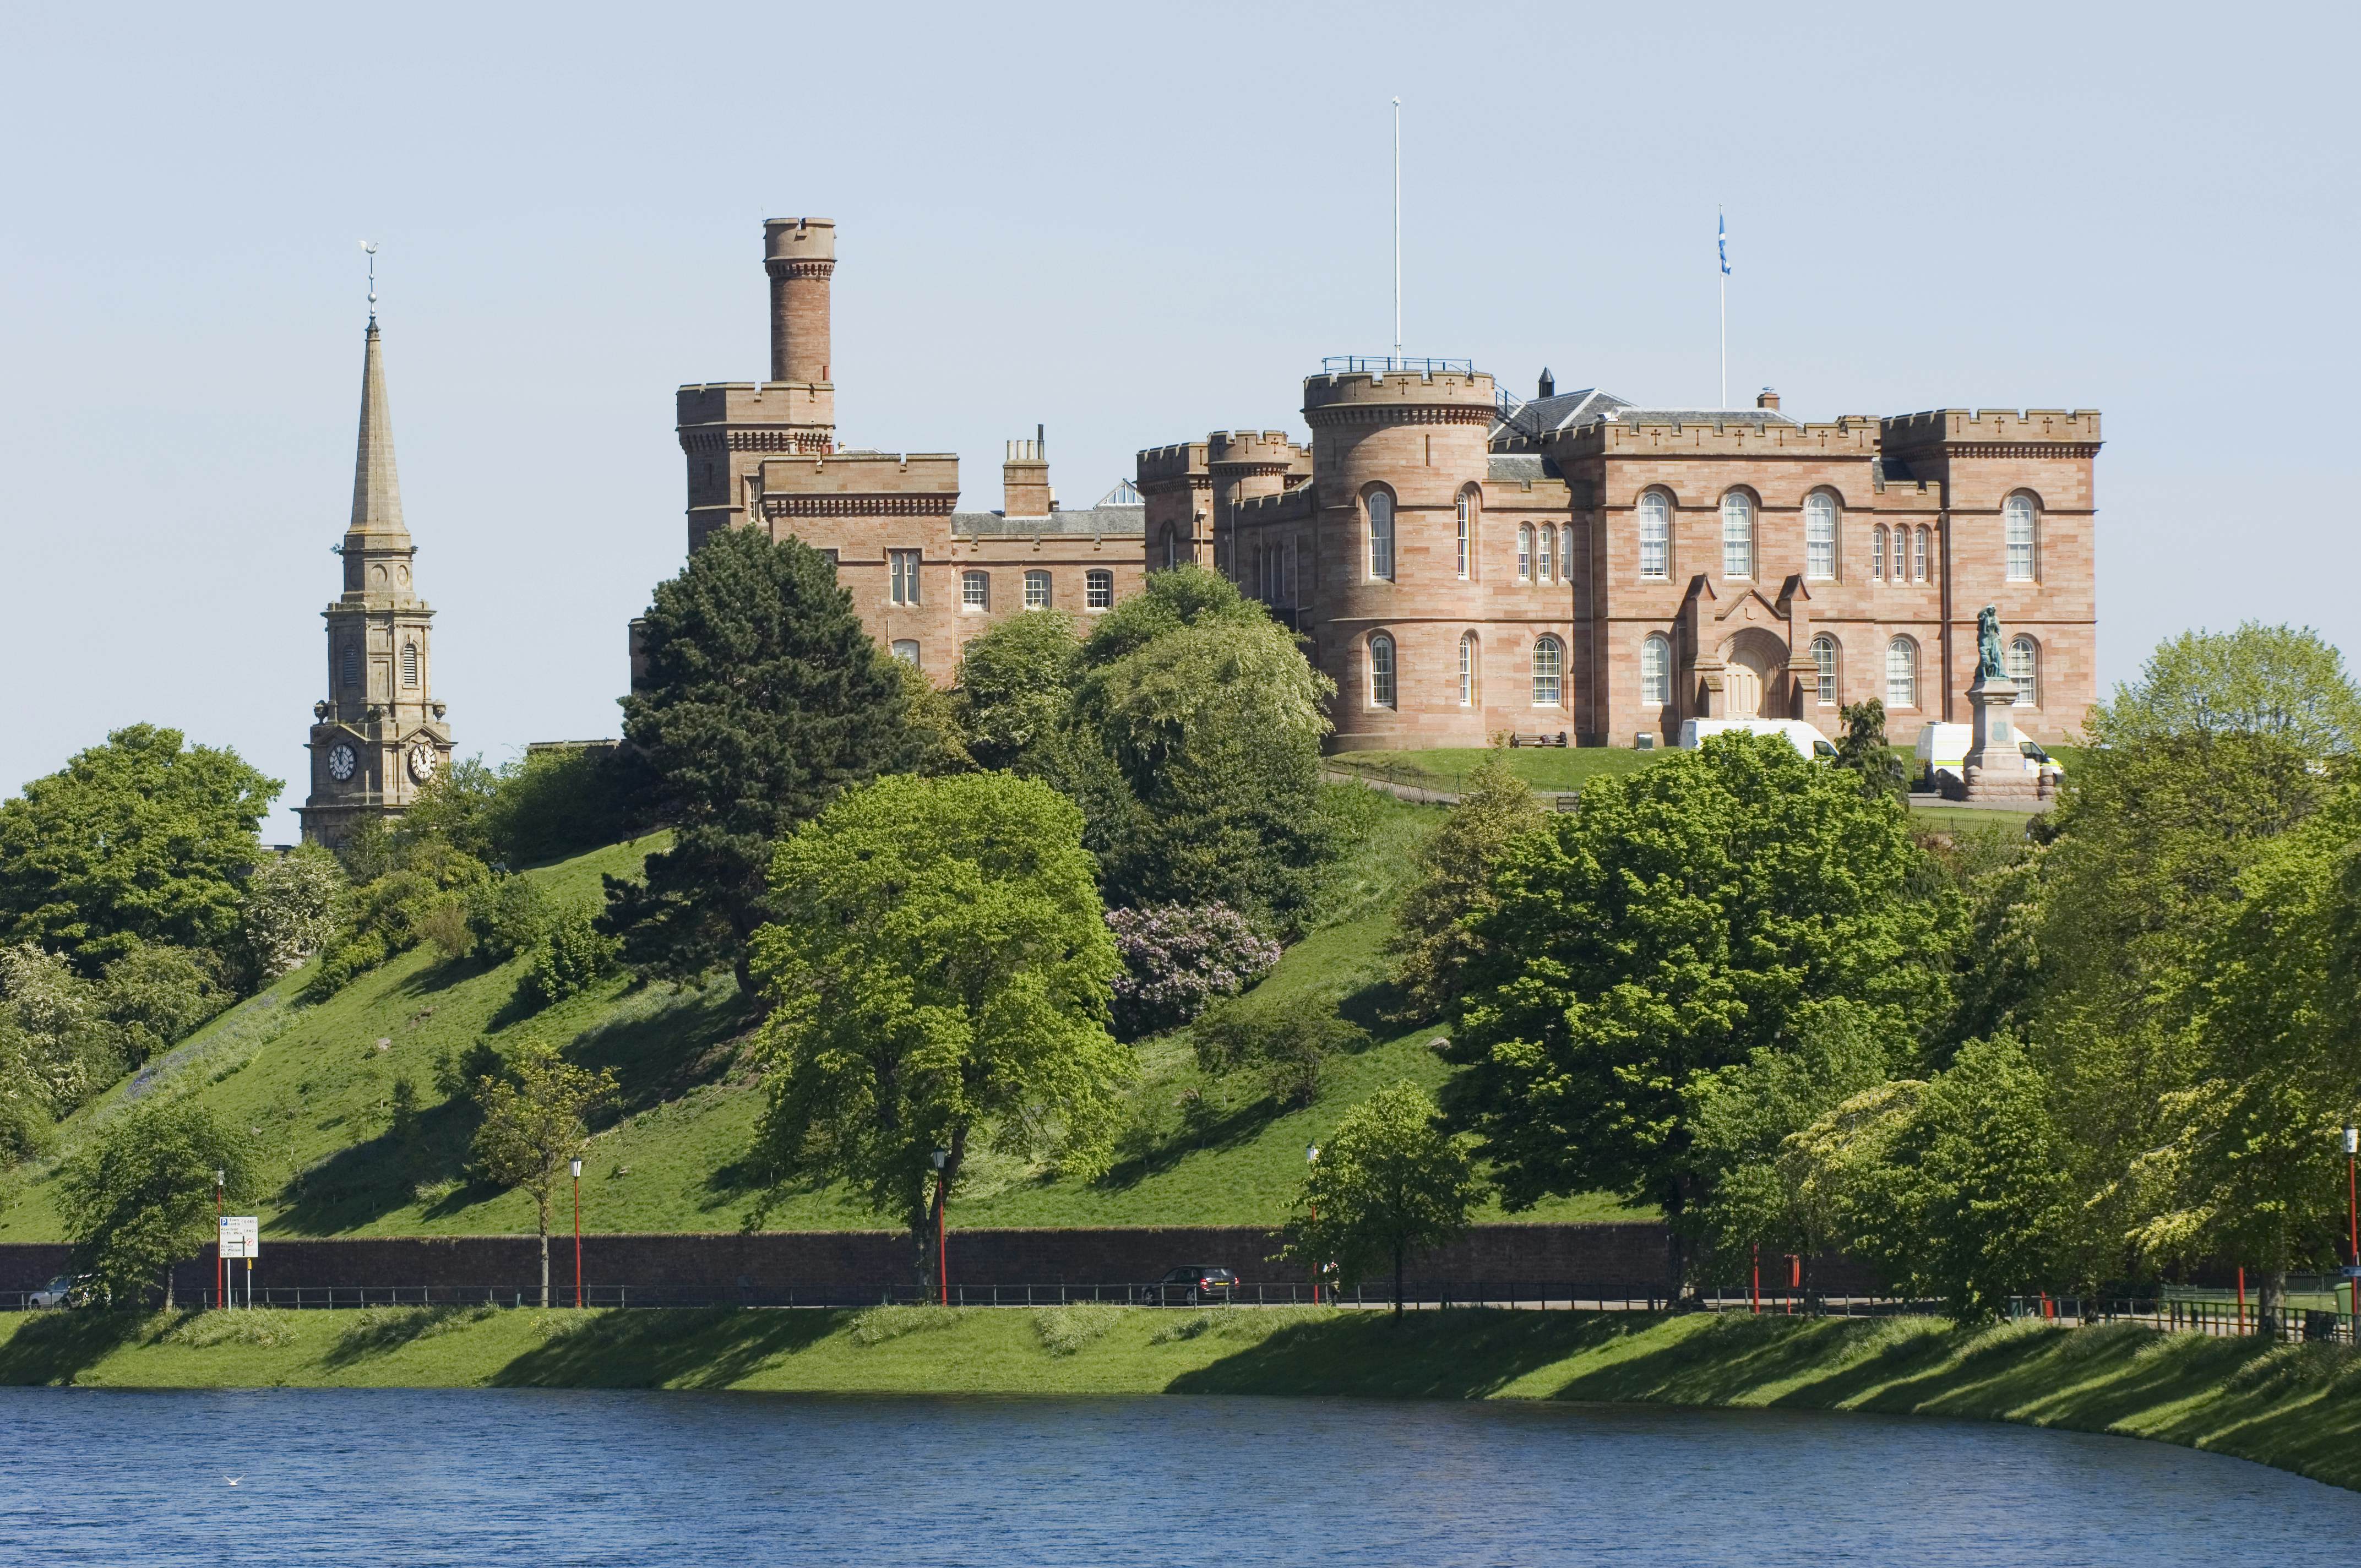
(379, 734)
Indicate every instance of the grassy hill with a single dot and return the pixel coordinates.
(314, 1085)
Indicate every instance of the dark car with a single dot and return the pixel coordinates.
(1192, 1285)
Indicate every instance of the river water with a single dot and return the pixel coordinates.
(524, 1478)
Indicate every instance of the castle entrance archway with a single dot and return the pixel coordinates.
(1751, 663)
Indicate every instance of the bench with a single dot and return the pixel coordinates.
(1556, 740)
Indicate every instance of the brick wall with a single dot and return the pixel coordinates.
(1601, 1259)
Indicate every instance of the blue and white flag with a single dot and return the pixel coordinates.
(1721, 240)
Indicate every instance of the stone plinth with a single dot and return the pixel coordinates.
(1994, 768)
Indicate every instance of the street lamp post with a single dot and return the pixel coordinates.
(1311, 1158)
(2352, 1222)
(578, 1233)
(221, 1264)
(942, 1201)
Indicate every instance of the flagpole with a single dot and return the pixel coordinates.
(1721, 250)
(1397, 228)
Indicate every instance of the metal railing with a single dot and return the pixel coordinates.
(1391, 365)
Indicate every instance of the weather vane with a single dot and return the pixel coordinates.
(368, 247)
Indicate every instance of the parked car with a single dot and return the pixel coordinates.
(1809, 742)
(63, 1291)
(1193, 1285)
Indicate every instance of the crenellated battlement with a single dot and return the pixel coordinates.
(863, 474)
(1178, 463)
(1287, 505)
(1259, 448)
(1707, 430)
(1992, 427)
(1357, 395)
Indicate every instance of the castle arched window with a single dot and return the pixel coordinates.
(1098, 589)
(1566, 553)
(1656, 670)
(2025, 669)
(1544, 566)
(410, 664)
(906, 649)
(1820, 534)
(1549, 673)
(1468, 660)
(2022, 530)
(1901, 674)
(1381, 671)
(1656, 536)
(350, 673)
(975, 590)
(1381, 534)
(1524, 551)
(1877, 553)
(1036, 590)
(1919, 557)
(1737, 534)
(1466, 532)
(1824, 665)
(1172, 547)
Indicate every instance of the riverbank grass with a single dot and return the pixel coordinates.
(2294, 1406)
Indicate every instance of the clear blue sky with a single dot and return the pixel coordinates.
(1131, 224)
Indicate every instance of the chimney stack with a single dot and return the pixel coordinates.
(1025, 480)
(1767, 399)
(1548, 384)
(799, 253)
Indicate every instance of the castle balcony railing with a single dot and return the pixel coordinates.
(1390, 365)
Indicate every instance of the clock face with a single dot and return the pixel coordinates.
(341, 762)
(421, 763)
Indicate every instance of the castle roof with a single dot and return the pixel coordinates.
(1103, 518)
(1521, 467)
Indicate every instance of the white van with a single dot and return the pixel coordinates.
(1943, 755)
(1808, 741)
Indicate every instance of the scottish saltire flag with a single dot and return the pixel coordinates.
(1721, 241)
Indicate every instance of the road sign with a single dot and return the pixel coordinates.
(241, 1235)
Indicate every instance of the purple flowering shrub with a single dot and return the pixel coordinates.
(1177, 957)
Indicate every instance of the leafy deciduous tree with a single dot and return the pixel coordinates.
(1433, 943)
(1389, 1183)
(534, 1126)
(140, 1197)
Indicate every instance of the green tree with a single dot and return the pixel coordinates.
(1994, 1200)
(1863, 750)
(573, 955)
(153, 997)
(457, 806)
(1390, 1183)
(939, 743)
(140, 1198)
(1178, 596)
(1672, 928)
(534, 1126)
(762, 699)
(1758, 1195)
(54, 1043)
(1288, 1044)
(141, 840)
(2273, 681)
(1014, 684)
(293, 906)
(556, 801)
(939, 972)
(2244, 1167)
(1432, 942)
(1215, 725)
(430, 882)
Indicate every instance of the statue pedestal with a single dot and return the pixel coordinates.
(1994, 770)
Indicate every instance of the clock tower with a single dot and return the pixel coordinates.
(379, 733)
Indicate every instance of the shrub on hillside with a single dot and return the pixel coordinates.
(1287, 1046)
(1178, 959)
(390, 913)
(507, 917)
(562, 801)
(571, 956)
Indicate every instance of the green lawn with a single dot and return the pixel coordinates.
(2289, 1406)
(313, 1086)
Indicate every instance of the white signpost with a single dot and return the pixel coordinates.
(241, 1236)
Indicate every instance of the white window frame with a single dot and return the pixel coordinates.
(1549, 687)
(1469, 660)
(1825, 654)
(1738, 536)
(1384, 670)
(1877, 553)
(1466, 534)
(2021, 531)
(1918, 553)
(975, 590)
(1820, 537)
(1655, 670)
(906, 649)
(904, 566)
(1379, 506)
(1038, 588)
(1566, 553)
(1524, 551)
(1545, 559)
(1656, 536)
(1901, 675)
(1098, 588)
(2025, 654)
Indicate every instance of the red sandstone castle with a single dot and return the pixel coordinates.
(1465, 565)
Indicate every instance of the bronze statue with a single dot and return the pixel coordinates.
(1991, 667)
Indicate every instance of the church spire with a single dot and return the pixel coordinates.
(377, 491)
